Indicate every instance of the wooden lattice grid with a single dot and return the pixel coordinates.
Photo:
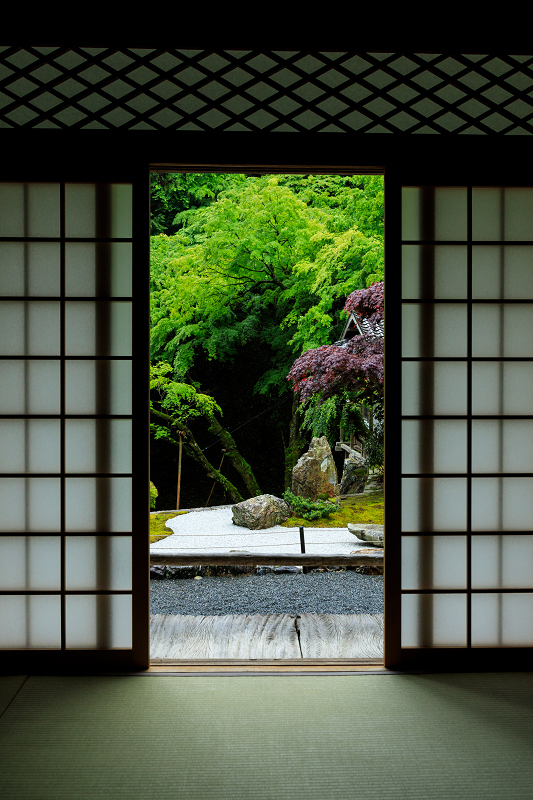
(249, 90)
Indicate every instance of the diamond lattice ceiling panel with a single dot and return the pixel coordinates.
(246, 90)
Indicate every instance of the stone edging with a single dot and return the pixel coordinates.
(201, 571)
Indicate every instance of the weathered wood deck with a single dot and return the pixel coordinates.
(267, 636)
(369, 556)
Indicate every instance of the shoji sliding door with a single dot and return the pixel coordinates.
(466, 529)
(66, 439)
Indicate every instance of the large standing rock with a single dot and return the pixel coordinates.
(260, 512)
(354, 477)
(315, 473)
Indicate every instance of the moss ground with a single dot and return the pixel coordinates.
(157, 525)
(367, 508)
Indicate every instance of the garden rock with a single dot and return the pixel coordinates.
(183, 572)
(354, 477)
(157, 572)
(285, 570)
(315, 472)
(260, 512)
(373, 534)
(368, 569)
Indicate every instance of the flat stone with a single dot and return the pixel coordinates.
(373, 534)
(284, 570)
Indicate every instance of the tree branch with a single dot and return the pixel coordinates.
(193, 449)
(232, 452)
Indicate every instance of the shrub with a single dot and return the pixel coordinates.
(309, 509)
(153, 495)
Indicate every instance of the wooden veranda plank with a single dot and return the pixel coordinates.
(267, 636)
(248, 636)
(341, 635)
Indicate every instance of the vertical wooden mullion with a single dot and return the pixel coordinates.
(428, 225)
(469, 426)
(62, 410)
(102, 346)
(501, 407)
(141, 418)
(26, 290)
(393, 424)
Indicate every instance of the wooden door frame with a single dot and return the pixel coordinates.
(128, 157)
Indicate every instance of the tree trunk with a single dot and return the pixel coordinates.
(191, 447)
(297, 442)
(240, 464)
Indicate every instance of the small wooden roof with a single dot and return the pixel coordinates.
(357, 326)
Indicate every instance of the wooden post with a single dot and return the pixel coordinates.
(213, 486)
(179, 475)
(302, 547)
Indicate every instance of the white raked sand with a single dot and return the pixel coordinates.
(211, 530)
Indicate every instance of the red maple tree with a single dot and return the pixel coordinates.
(356, 365)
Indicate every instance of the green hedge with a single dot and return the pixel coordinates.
(309, 509)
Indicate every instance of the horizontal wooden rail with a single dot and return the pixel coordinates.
(175, 558)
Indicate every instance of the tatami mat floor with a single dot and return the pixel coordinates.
(363, 737)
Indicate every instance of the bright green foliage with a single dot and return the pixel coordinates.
(374, 447)
(180, 400)
(256, 264)
(309, 509)
(270, 262)
(350, 197)
(358, 509)
(172, 194)
(180, 294)
(344, 410)
(220, 283)
(153, 495)
(323, 418)
(350, 254)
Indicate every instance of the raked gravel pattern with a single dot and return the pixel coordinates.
(315, 593)
(213, 530)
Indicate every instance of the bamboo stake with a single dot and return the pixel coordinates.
(213, 486)
(179, 475)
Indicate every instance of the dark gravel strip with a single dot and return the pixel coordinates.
(314, 593)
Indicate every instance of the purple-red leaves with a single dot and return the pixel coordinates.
(367, 303)
(357, 365)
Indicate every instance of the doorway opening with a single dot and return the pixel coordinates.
(266, 361)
